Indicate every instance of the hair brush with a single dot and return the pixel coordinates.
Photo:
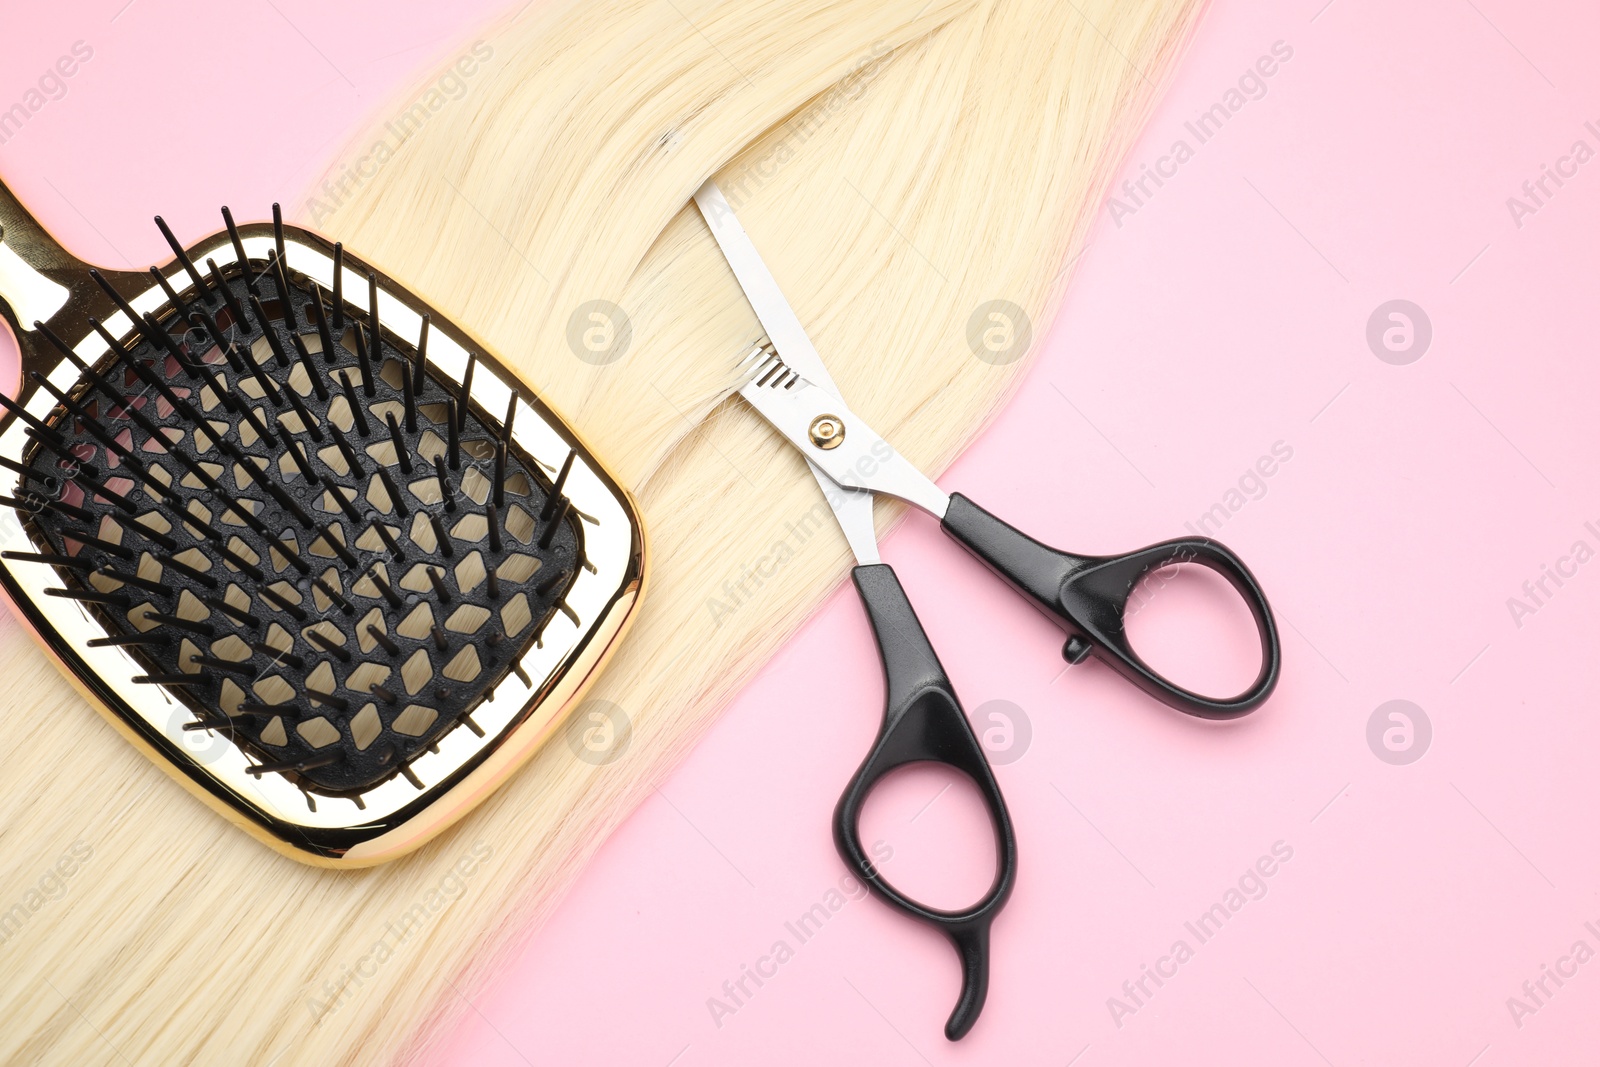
(297, 536)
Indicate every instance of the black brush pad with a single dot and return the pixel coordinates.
(293, 672)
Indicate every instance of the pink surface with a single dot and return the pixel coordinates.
(1228, 312)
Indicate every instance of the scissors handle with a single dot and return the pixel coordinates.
(923, 722)
(1089, 595)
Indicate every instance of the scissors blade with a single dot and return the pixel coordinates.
(851, 507)
(761, 289)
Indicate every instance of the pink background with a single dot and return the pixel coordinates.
(1226, 314)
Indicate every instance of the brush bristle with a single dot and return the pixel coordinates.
(336, 621)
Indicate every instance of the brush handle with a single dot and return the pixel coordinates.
(923, 723)
(41, 281)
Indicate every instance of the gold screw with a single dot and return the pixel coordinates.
(827, 431)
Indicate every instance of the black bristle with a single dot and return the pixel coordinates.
(280, 278)
(550, 584)
(383, 640)
(319, 385)
(308, 423)
(346, 451)
(454, 435)
(319, 315)
(158, 334)
(338, 287)
(555, 492)
(228, 723)
(301, 460)
(387, 590)
(39, 431)
(509, 422)
(116, 297)
(199, 629)
(198, 577)
(35, 504)
(440, 590)
(48, 481)
(277, 231)
(336, 546)
(238, 615)
(344, 606)
(327, 644)
(548, 533)
(238, 251)
(243, 670)
(276, 655)
(494, 528)
(93, 596)
(440, 641)
(269, 333)
(445, 489)
(344, 503)
(267, 386)
(91, 541)
(358, 411)
(181, 256)
(328, 699)
(439, 536)
(466, 390)
(112, 574)
(283, 604)
(231, 301)
(267, 711)
(410, 393)
(200, 371)
(394, 492)
(178, 304)
(133, 640)
(500, 473)
(402, 451)
(280, 766)
(419, 361)
(364, 360)
(229, 350)
(26, 416)
(374, 330)
(170, 679)
(238, 562)
(248, 413)
(389, 542)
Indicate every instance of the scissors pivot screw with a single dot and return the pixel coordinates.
(827, 431)
(1076, 650)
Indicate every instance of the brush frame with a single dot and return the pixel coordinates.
(41, 280)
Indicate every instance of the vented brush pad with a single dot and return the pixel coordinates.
(343, 710)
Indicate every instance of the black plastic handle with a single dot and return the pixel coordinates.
(1089, 596)
(923, 722)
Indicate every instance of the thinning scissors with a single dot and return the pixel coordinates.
(790, 386)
